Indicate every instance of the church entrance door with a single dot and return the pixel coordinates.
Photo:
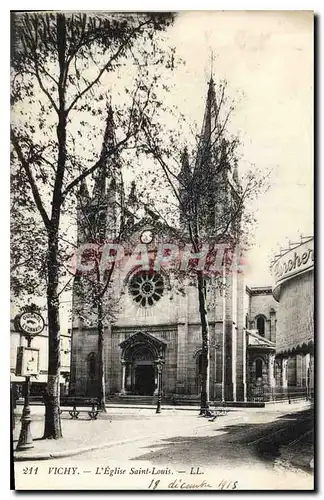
(140, 354)
(144, 380)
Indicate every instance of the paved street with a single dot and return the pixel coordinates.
(247, 448)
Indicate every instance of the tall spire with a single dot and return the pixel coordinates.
(84, 192)
(109, 143)
(185, 171)
(235, 172)
(132, 198)
(209, 130)
(185, 186)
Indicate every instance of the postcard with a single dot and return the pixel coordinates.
(162, 250)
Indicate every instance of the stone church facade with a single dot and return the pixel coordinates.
(156, 322)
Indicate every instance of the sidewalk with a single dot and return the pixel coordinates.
(115, 427)
(120, 425)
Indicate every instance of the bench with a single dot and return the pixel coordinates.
(77, 404)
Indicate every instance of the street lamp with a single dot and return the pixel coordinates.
(159, 366)
(29, 323)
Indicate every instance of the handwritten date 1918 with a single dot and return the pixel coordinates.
(228, 485)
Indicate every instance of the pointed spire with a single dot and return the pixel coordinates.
(132, 205)
(235, 172)
(112, 185)
(109, 142)
(209, 128)
(83, 196)
(109, 135)
(185, 171)
(83, 190)
(132, 198)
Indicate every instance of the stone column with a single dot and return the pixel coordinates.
(245, 365)
(123, 386)
(284, 375)
(181, 359)
(284, 372)
(307, 374)
(271, 375)
(273, 325)
(240, 340)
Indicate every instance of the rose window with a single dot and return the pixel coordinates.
(146, 288)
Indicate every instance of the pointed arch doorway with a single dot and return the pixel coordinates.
(140, 352)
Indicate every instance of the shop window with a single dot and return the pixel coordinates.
(261, 325)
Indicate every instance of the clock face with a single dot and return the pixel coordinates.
(146, 236)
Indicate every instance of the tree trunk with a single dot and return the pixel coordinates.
(53, 428)
(101, 364)
(204, 396)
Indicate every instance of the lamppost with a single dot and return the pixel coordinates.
(29, 323)
(159, 366)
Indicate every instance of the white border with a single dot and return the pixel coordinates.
(317, 6)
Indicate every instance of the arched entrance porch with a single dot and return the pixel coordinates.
(140, 354)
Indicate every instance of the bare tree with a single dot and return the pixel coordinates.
(58, 64)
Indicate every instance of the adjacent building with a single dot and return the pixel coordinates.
(293, 273)
(261, 324)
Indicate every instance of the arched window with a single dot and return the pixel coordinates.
(261, 325)
(92, 365)
(258, 368)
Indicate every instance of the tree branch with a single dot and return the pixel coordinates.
(31, 180)
(106, 66)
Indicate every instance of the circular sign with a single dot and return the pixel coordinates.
(31, 323)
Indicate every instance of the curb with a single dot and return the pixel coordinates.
(70, 453)
(19, 457)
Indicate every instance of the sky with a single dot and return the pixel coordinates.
(267, 59)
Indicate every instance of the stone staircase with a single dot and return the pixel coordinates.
(176, 400)
(131, 399)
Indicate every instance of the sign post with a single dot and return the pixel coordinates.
(30, 323)
(159, 366)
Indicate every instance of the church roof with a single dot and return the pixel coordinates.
(257, 341)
